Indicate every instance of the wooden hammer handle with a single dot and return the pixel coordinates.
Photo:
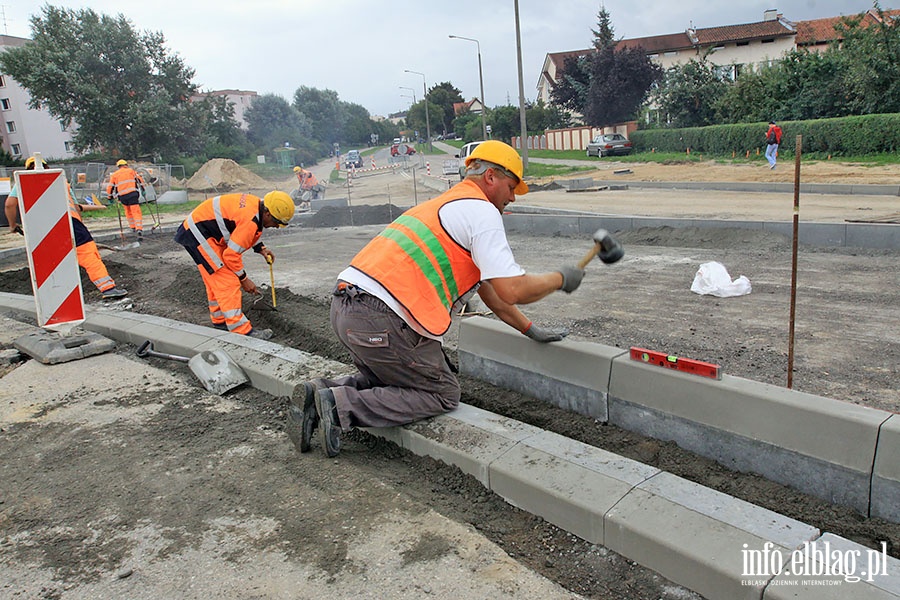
(589, 256)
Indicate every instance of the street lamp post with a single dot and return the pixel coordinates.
(480, 82)
(403, 87)
(522, 124)
(427, 120)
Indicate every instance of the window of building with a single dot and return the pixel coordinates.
(742, 44)
(10, 127)
(68, 146)
(4, 104)
(671, 53)
(15, 149)
(62, 126)
(769, 41)
(2, 81)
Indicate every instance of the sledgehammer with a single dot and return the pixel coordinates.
(606, 247)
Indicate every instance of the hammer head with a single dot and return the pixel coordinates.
(610, 249)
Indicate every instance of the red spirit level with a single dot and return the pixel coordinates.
(685, 365)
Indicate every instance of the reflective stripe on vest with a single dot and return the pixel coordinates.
(420, 265)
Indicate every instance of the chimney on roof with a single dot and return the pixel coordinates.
(770, 15)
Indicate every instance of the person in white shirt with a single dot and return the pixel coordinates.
(396, 299)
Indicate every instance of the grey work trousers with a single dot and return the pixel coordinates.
(403, 376)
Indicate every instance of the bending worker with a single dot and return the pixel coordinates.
(394, 302)
(216, 235)
(125, 183)
(85, 248)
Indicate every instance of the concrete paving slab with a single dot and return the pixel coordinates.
(886, 472)
(471, 439)
(542, 479)
(569, 374)
(863, 573)
(818, 445)
(695, 536)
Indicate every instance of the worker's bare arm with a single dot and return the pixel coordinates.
(526, 288)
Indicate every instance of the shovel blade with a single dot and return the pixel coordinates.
(217, 371)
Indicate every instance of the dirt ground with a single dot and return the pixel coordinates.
(846, 348)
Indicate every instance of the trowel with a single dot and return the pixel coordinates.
(214, 368)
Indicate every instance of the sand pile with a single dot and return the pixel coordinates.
(225, 175)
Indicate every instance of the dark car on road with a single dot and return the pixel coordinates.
(353, 160)
(609, 144)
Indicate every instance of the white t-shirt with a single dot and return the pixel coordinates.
(475, 225)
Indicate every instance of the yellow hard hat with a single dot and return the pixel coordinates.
(297, 169)
(121, 162)
(280, 206)
(29, 163)
(504, 155)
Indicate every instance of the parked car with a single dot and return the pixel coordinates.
(463, 153)
(609, 144)
(399, 149)
(353, 160)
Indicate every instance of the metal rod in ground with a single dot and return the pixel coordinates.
(119, 212)
(390, 206)
(797, 152)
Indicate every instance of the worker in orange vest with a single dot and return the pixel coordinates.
(85, 248)
(392, 305)
(216, 235)
(127, 185)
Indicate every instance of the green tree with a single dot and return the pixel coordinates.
(572, 85)
(272, 122)
(416, 118)
(690, 92)
(541, 117)
(323, 110)
(607, 85)
(872, 52)
(445, 96)
(620, 83)
(127, 94)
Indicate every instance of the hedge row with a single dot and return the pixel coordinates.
(860, 135)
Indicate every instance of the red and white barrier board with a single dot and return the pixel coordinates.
(50, 245)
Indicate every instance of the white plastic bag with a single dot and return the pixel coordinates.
(713, 279)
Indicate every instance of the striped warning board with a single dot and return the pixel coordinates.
(50, 245)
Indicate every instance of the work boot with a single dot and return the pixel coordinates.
(302, 418)
(260, 334)
(328, 419)
(113, 292)
(220, 326)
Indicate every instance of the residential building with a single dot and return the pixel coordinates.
(473, 106)
(24, 130)
(240, 101)
(731, 47)
(818, 34)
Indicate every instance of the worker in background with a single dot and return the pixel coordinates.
(85, 248)
(394, 302)
(127, 185)
(216, 235)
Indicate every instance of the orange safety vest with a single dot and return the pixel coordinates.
(419, 264)
(125, 181)
(222, 229)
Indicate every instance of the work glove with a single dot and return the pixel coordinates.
(539, 334)
(571, 278)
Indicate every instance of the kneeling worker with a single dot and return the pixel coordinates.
(216, 235)
(85, 248)
(396, 299)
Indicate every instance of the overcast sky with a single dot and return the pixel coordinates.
(360, 48)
